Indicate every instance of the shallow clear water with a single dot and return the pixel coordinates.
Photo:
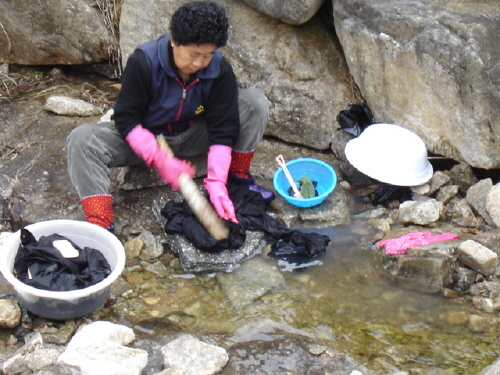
(383, 325)
(344, 302)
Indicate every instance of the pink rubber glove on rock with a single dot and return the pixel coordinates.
(219, 160)
(169, 168)
(399, 245)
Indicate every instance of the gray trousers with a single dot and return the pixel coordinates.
(94, 148)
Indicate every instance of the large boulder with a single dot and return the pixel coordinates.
(430, 66)
(51, 32)
(294, 12)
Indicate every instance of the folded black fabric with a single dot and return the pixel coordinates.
(40, 265)
(355, 118)
(299, 247)
(386, 192)
(181, 220)
(251, 213)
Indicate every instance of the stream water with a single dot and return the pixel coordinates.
(344, 302)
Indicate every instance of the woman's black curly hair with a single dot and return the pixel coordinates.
(200, 22)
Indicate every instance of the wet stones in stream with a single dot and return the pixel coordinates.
(268, 348)
(429, 269)
(250, 282)
(100, 347)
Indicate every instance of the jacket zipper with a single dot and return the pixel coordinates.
(184, 94)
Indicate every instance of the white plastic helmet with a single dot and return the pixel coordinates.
(391, 154)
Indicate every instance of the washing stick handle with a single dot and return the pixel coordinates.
(201, 207)
(281, 161)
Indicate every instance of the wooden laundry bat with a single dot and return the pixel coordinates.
(201, 207)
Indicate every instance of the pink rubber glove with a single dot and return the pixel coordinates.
(219, 160)
(414, 239)
(169, 168)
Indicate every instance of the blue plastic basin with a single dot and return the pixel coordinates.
(317, 170)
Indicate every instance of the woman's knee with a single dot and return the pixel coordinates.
(78, 138)
(255, 101)
(254, 112)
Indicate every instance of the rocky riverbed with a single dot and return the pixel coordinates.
(359, 310)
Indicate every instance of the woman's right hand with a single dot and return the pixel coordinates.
(169, 168)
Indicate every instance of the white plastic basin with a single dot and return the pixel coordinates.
(66, 304)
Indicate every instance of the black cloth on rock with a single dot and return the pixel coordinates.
(50, 270)
(181, 220)
(299, 247)
(355, 118)
(251, 213)
(386, 192)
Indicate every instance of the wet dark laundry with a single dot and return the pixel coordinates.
(355, 118)
(181, 220)
(386, 192)
(251, 213)
(42, 265)
(299, 247)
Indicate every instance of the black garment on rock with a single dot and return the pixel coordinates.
(181, 220)
(355, 118)
(50, 270)
(386, 192)
(299, 247)
(251, 213)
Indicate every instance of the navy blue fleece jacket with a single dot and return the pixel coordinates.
(153, 95)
